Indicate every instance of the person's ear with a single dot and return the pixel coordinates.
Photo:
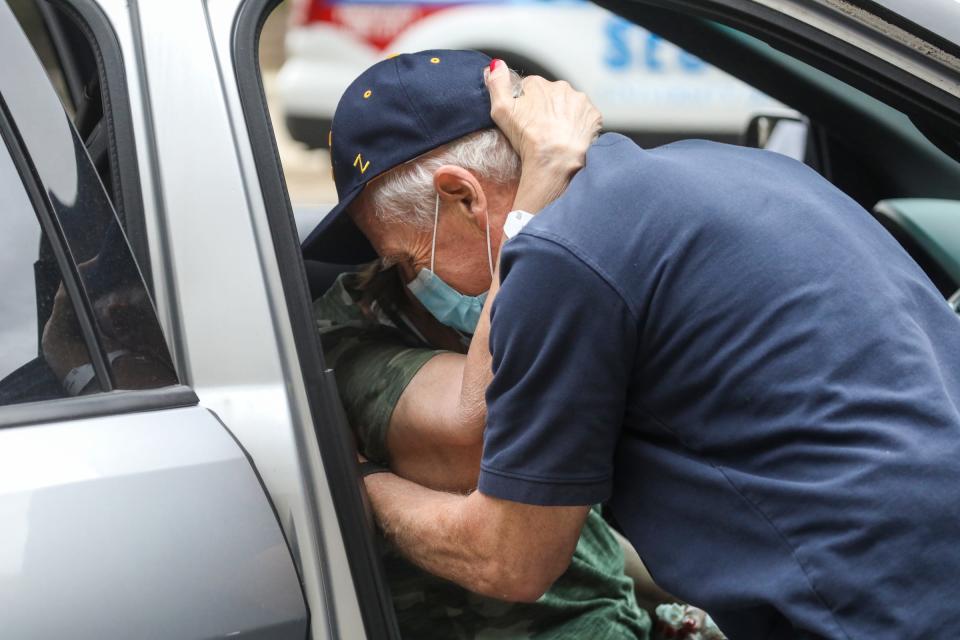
(456, 185)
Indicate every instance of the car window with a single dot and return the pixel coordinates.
(119, 331)
(81, 57)
(25, 375)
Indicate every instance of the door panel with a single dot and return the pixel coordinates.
(150, 525)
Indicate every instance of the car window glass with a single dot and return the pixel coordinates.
(28, 13)
(68, 59)
(120, 309)
(80, 55)
(26, 307)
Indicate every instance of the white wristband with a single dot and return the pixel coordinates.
(516, 220)
(78, 378)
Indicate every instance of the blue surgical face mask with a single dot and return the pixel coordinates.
(445, 303)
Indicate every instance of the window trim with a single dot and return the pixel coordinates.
(921, 31)
(96, 405)
(336, 444)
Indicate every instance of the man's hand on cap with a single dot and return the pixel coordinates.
(548, 120)
(550, 125)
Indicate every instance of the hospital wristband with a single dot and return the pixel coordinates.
(78, 378)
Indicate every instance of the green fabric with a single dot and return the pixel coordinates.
(372, 360)
(592, 599)
(374, 356)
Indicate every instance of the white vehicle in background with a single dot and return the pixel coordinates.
(644, 86)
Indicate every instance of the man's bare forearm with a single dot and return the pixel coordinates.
(493, 547)
(416, 519)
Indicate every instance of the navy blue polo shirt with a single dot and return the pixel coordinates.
(758, 378)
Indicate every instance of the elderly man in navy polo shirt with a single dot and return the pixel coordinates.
(715, 341)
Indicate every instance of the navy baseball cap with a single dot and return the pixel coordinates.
(396, 110)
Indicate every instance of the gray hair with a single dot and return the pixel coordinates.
(406, 194)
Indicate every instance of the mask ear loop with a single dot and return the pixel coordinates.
(489, 250)
(433, 244)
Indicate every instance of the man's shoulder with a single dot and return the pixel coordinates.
(614, 156)
(357, 326)
(627, 201)
(619, 173)
(373, 357)
(630, 209)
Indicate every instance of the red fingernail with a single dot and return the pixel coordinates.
(493, 64)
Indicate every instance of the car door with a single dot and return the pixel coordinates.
(127, 509)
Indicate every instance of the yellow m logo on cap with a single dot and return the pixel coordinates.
(358, 162)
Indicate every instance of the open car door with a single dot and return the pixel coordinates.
(128, 510)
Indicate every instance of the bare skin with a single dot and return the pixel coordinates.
(64, 347)
(498, 548)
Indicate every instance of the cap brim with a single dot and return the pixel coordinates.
(337, 239)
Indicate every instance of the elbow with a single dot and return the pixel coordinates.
(516, 580)
(527, 593)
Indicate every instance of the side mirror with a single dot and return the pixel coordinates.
(783, 134)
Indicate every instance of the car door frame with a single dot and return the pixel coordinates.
(333, 433)
(227, 319)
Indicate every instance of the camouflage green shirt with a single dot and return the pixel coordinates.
(375, 352)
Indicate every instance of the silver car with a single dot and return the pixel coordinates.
(174, 461)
